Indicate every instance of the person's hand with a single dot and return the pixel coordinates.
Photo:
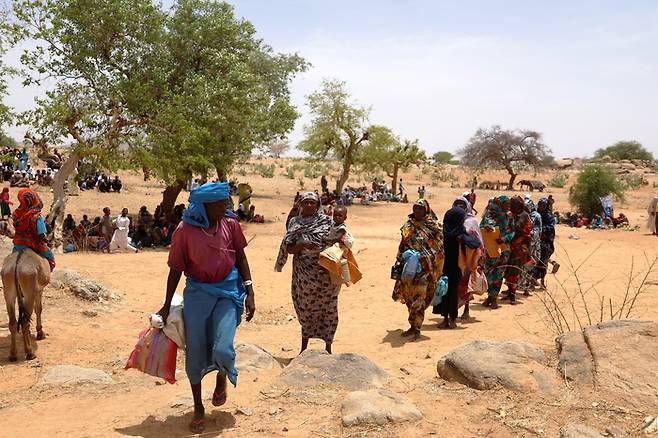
(250, 304)
(488, 228)
(164, 312)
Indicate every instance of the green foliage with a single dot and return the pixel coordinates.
(391, 155)
(558, 180)
(290, 172)
(625, 150)
(242, 171)
(443, 157)
(7, 141)
(632, 181)
(300, 183)
(188, 89)
(339, 128)
(594, 181)
(441, 174)
(264, 170)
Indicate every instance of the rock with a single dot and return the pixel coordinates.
(377, 406)
(616, 432)
(90, 313)
(244, 411)
(80, 286)
(621, 357)
(575, 358)
(74, 375)
(650, 425)
(578, 431)
(487, 364)
(351, 371)
(252, 358)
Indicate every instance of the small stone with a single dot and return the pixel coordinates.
(651, 426)
(405, 371)
(286, 349)
(616, 432)
(595, 404)
(274, 411)
(290, 317)
(244, 411)
(285, 429)
(90, 313)
(377, 406)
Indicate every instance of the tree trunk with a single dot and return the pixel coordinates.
(347, 164)
(169, 197)
(147, 173)
(394, 183)
(221, 174)
(58, 208)
(512, 177)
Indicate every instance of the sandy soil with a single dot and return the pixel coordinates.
(370, 324)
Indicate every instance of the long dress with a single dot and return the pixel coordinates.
(651, 210)
(314, 295)
(120, 237)
(494, 216)
(426, 237)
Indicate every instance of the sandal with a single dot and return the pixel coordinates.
(197, 425)
(219, 398)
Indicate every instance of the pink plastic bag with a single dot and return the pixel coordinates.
(154, 354)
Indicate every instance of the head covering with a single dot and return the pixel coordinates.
(469, 207)
(25, 218)
(195, 214)
(517, 204)
(310, 195)
(429, 213)
(453, 227)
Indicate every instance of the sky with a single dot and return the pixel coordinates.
(582, 73)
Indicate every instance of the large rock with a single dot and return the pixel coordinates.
(487, 364)
(351, 371)
(80, 286)
(68, 375)
(578, 431)
(377, 406)
(252, 358)
(621, 356)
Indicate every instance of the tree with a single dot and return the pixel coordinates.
(218, 91)
(391, 155)
(443, 157)
(338, 129)
(510, 150)
(625, 150)
(275, 148)
(7, 141)
(594, 182)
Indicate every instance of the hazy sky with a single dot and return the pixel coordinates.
(584, 73)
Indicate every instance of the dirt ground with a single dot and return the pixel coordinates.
(370, 325)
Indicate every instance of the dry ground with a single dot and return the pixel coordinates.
(370, 324)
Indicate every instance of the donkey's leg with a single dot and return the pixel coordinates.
(25, 326)
(37, 309)
(13, 325)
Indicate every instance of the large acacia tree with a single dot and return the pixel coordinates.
(176, 92)
(505, 149)
(392, 155)
(340, 129)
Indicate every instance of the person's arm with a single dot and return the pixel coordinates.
(172, 283)
(242, 264)
(296, 248)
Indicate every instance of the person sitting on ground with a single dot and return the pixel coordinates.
(251, 213)
(95, 228)
(116, 184)
(240, 212)
(69, 224)
(421, 192)
(30, 228)
(298, 198)
(120, 237)
(104, 185)
(85, 222)
(620, 221)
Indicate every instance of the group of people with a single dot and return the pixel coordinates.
(513, 241)
(101, 181)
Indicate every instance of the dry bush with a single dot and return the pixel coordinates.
(568, 307)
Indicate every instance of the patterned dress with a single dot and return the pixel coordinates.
(494, 216)
(314, 295)
(426, 237)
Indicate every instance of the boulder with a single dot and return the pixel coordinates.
(74, 375)
(377, 406)
(80, 286)
(351, 371)
(252, 358)
(578, 431)
(621, 356)
(487, 364)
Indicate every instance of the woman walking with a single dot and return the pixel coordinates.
(5, 202)
(470, 256)
(314, 295)
(497, 215)
(209, 247)
(421, 233)
(520, 255)
(547, 241)
(455, 240)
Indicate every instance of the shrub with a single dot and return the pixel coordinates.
(558, 180)
(242, 171)
(594, 181)
(632, 182)
(300, 183)
(264, 170)
(290, 172)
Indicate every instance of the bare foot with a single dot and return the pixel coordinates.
(409, 332)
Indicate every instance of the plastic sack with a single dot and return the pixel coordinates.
(440, 291)
(411, 265)
(154, 354)
(477, 283)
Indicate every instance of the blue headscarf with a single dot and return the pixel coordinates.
(195, 214)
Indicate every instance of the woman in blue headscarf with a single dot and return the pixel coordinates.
(208, 246)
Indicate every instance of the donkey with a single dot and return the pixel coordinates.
(24, 276)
